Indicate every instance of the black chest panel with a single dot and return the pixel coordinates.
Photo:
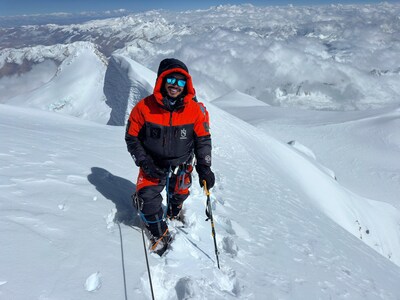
(168, 144)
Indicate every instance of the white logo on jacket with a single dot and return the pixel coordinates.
(183, 134)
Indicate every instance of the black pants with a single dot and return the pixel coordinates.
(149, 192)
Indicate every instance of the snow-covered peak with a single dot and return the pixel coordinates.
(62, 78)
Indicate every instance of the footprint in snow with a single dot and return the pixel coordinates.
(184, 288)
(225, 223)
(226, 280)
(110, 219)
(62, 206)
(229, 246)
(93, 282)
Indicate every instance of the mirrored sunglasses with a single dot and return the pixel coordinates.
(178, 82)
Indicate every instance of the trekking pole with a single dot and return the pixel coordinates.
(210, 217)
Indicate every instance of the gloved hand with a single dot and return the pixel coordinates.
(206, 174)
(150, 169)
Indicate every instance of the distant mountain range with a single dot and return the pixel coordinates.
(337, 57)
(60, 18)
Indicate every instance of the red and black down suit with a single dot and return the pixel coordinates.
(170, 136)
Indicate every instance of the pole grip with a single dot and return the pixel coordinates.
(205, 188)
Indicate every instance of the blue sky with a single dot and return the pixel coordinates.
(18, 7)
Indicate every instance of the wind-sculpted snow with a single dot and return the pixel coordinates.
(338, 57)
(124, 86)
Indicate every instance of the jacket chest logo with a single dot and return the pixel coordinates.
(155, 132)
(183, 134)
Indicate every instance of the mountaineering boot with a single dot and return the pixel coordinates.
(159, 236)
(160, 244)
(174, 212)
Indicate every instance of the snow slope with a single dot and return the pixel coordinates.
(274, 210)
(61, 190)
(360, 147)
(355, 213)
(237, 99)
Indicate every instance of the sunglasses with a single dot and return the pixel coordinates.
(178, 82)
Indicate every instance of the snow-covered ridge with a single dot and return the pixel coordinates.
(125, 83)
(73, 86)
(38, 54)
(82, 83)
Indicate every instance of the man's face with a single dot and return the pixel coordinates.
(174, 89)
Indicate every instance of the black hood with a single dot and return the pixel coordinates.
(171, 63)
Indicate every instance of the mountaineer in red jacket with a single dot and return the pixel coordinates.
(165, 133)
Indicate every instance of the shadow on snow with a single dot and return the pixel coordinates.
(119, 190)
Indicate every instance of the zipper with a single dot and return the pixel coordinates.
(170, 118)
(171, 133)
(168, 137)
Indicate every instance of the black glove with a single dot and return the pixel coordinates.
(206, 174)
(151, 170)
